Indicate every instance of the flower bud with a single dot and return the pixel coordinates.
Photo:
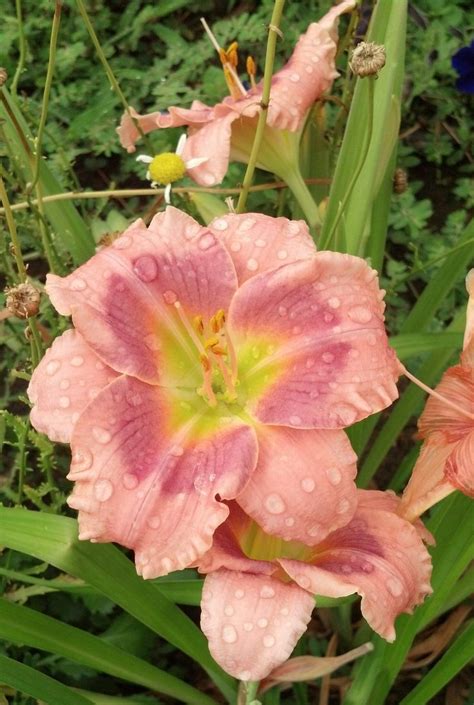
(23, 300)
(367, 59)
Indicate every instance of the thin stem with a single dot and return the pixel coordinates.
(35, 341)
(247, 692)
(22, 467)
(22, 48)
(47, 91)
(131, 193)
(437, 395)
(365, 150)
(262, 117)
(7, 211)
(108, 70)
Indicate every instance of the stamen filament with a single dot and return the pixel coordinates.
(221, 53)
(190, 330)
(227, 376)
(232, 357)
(207, 381)
(437, 395)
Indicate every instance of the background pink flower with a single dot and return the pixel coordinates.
(258, 592)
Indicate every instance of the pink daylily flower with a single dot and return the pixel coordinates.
(446, 461)
(226, 130)
(259, 591)
(206, 364)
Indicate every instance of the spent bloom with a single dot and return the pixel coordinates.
(259, 590)
(446, 461)
(226, 130)
(202, 360)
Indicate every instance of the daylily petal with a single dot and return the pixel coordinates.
(428, 483)
(459, 469)
(379, 555)
(68, 377)
(175, 117)
(259, 242)
(252, 622)
(151, 484)
(216, 133)
(123, 299)
(309, 72)
(457, 385)
(315, 329)
(303, 486)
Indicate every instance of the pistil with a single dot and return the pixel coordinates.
(437, 395)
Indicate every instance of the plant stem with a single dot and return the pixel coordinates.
(108, 70)
(262, 117)
(300, 191)
(247, 692)
(22, 48)
(131, 193)
(363, 156)
(47, 91)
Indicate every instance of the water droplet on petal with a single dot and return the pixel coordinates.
(64, 402)
(177, 451)
(262, 623)
(268, 641)
(52, 367)
(343, 506)
(206, 241)
(229, 634)
(248, 626)
(154, 522)
(130, 480)
(77, 361)
(334, 476)
(267, 591)
(78, 284)
(394, 587)
(314, 530)
(260, 243)
(274, 504)
(346, 568)
(327, 357)
(252, 264)
(282, 311)
(308, 484)
(359, 314)
(103, 490)
(282, 254)
(146, 268)
(239, 594)
(334, 302)
(82, 460)
(295, 420)
(220, 224)
(244, 676)
(245, 225)
(235, 246)
(64, 384)
(229, 610)
(170, 296)
(289, 521)
(346, 413)
(285, 611)
(101, 434)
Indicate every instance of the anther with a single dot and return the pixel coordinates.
(251, 70)
(198, 324)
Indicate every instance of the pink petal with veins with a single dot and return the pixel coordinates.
(379, 555)
(122, 299)
(303, 486)
(325, 318)
(259, 242)
(150, 484)
(252, 621)
(457, 385)
(459, 469)
(217, 133)
(67, 379)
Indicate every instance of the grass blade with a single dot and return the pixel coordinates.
(53, 539)
(31, 682)
(22, 625)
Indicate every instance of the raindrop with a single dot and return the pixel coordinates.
(170, 296)
(308, 484)
(246, 224)
(295, 420)
(103, 490)
(334, 476)
(82, 460)
(267, 591)
(268, 640)
(394, 587)
(206, 241)
(64, 402)
(239, 594)
(359, 314)
(101, 435)
(229, 634)
(327, 357)
(78, 284)
(262, 623)
(146, 268)
(64, 384)
(343, 506)
(282, 254)
(260, 243)
(274, 504)
(52, 367)
(314, 530)
(295, 77)
(130, 480)
(289, 521)
(77, 361)
(229, 610)
(220, 224)
(235, 246)
(252, 264)
(282, 311)
(154, 522)
(248, 626)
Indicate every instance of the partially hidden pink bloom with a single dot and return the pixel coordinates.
(446, 461)
(226, 130)
(212, 363)
(259, 591)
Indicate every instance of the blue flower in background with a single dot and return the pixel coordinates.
(463, 63)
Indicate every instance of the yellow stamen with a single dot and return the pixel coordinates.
(233, 81)
(207, 389)
(210, 342)
(232, 55)
(217, 321)
(198, 324)
(251, 70)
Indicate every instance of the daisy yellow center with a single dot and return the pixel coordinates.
(167, 168)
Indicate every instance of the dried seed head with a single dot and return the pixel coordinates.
(367, 59)
(400, 180)
(3, 76)
(23, 300)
